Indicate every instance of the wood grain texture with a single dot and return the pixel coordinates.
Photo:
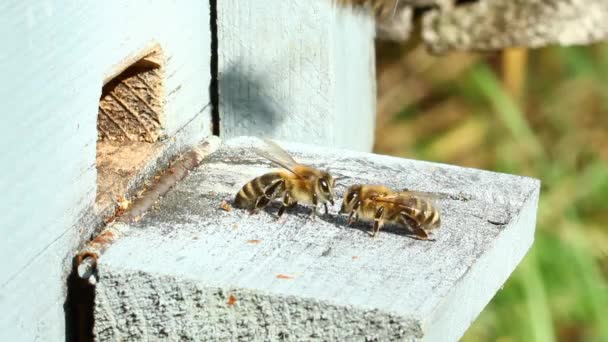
(131, 104)
(54, 59)
(299, 279)
(297, 70)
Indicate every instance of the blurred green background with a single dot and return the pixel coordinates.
(541, 113)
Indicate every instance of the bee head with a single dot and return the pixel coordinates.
(325, 187)
(351, 196)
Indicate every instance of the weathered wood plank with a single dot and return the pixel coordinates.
(497, 24)
(449, 25)
(192, 270)
(53, 61)
(297, 70)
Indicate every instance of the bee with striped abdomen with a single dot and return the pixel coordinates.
(295, 183)
(408, 209)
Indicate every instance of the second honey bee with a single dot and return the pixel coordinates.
(377, 203)
(295, 183)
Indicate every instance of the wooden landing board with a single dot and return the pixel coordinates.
(191, 269)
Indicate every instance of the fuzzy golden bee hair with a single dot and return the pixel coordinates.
(377, 203)
(294, 183)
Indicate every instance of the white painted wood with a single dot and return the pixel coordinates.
(54, 58)
(297, 70)
(174, 275)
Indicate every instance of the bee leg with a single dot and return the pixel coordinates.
(326, 211)
(353, 217)
(350, 218)
(269, 192)
(354, 213)
(315, 203)
(260, 203)
(285, 204)
(420, 233)
(378, 222)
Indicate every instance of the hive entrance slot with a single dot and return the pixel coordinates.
(130, 108)
(129, 124)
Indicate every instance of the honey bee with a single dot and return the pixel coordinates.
(409, 209)
(295, 183)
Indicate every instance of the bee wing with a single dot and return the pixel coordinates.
(401, 198)
(424, 194)
(394, 198)
(437, 195)
(277, 155)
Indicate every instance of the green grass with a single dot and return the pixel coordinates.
(559, 283)
(560, 290)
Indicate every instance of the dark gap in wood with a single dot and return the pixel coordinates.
(422, 10)
(78, 308)
(214, 91)
(419, 11)
(137, 68)
(462, 2)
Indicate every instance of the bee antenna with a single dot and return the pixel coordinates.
(395, 8)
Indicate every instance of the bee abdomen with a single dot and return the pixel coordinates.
(433, 220)
(250, 192)
(422, 212)
(413, 209)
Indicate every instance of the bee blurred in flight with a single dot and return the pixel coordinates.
(295, 183)
(409, 209)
